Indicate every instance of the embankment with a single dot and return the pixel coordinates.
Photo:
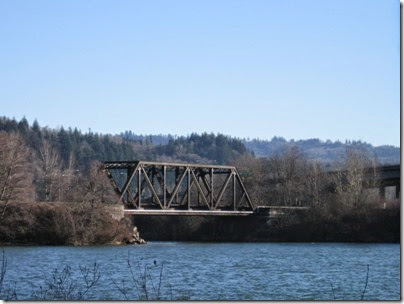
(377, 225)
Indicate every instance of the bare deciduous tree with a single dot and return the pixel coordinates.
(317, 185)
(15, 173)
(48, 171)
(253, 172)
(69, 186)
(357, 173)
(288, 173)
(98, 187)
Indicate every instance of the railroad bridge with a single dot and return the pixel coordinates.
(154, 188)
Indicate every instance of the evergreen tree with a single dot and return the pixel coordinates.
(64, 145)
(23, 126)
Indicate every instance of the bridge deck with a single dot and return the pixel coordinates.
(187, 212)
(261, 210)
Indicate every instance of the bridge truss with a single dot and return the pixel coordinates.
(143, 185)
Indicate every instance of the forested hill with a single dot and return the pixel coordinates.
(314, 149)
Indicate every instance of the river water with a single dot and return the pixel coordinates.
(209, 271)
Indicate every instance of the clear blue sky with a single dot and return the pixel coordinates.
(298, 69)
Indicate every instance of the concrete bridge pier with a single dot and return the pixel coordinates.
(382, 190)
(389, 176)
(398, 190)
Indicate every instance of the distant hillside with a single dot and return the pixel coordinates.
(322, 151)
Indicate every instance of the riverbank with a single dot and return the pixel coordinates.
(372, 226)
(74, 224)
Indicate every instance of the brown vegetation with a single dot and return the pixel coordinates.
(71, 208)
(62, 224)
(289, 179)
(15, 171)
(342, 208)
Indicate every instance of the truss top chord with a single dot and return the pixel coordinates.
(133, 164)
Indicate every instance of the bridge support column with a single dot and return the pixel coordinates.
(398, 190)
(211, 188)
(382, 192)
(189, 189)
(165, 187)
(139, 185)
(234, 192)
(198, 196)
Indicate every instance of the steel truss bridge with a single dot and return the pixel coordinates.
(154, 188)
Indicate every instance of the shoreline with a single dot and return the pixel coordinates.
(190, 242)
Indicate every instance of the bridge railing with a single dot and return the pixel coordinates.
(167, 186)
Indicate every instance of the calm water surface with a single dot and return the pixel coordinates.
(209, 271)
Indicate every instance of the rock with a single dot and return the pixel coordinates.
(136, 239)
